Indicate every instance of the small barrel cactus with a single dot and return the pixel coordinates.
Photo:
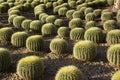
(88, 10)
(113, 37)
(85, 50)
(94, 34)
(51, 19)
(69, 73)
(30, 67)
(110, 25)
(78, 14)
(63, 31)
(10, 18)
(48, 29)
(76, 22)
(107, 16)
(36, 26)
(35, 43)
(62, 11)
(69, 14)
(72, 4)
(77, 34)
(59, 22)
(43, 18)
(14, 12)
(90, 17)
(5, 59)
(116, 75)
(26, 24)
(113, 54)
(58, 46)
(97, 13)
(6, 33)
(18, 39)
(110, 2)
(17, 21)
(90, 24)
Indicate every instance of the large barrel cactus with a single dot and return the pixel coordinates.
(26, 24)
(5, 59)
(85, 50)
(77, 34)
(63, 31)
(17, 21)
(116, 75)
(6, 33)
(58, 46)
(69, 73)
(113, 37)
(18, 39)
(94, 34)
(107, 16)
(30, 68)
(113, 54)
(35, 43)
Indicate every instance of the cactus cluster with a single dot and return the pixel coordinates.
(85, 50)
(69, 73)
(63, 31)
(30, 67)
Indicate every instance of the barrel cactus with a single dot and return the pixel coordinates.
(63, 31)
(88, 10)
(58, 46)
(26, 24)
(113, 37)
(85, 50)
(36, 25)
(5, 59)
(94, 34)
(18, 39)
(62, 11)
(116, 75)
(90, 17)
(69, 73)
(10, 18)
(6, 33)
(118, 16)
(76, 22)
(59, 22)
(17, 21)
(107, 16)
(97, 12)
(72, 4)
(78, 14)
(30, 67)
(51, 19)
(77, 34)
(69, 14)
(110, 2)
(90, 24)
(113, 54)
(14, 12)
(35, 43)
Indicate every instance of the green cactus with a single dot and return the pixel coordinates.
(26, 24)
(10, 18)
(55, 4)
(113, 36)
(41, 15)
(63, 31)
(90, 24)
(88, 10)
(48, 29)
(76, 22)
(110, 2)
(69, 73)
(35, 43)
(113, 54)
(43, 18)
(58, 46)
(5, 34)
(59, 22)
(90, 17)
(118, 16)
(72, 4)
(30, 67)
(49, 5)
(17, 21)
(36, 26)
(14, 12)
(51, 19)
(62, 11)
(69, 13)
(116, 76)
(85, 50)
(97, 12)
(107, 16)
(78, 14)
(18, 39)
(77, 34)
(94, 34)
(110, 25)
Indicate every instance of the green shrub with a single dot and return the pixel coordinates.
(26, 24)
(51, 19)
(85, 50)
(69, 13)
(18, 39)
(6, 33)
(113, 37)
(107, 16)
(77, 34)
(10, 18)
(58, 46)
(116, 76)
(76, 22)
(110, 2)
(48, 29)
(69, 73)
(94, 34)
(78, 14)
(17, 21)
(35, 43)
(14, 12)
(5, 59)
(88, 10)
(30, 67)
(36, 26)
(90, 24)
(72, 4)
(97, 13)
(63, 31)
(90, 17)
(113, 53)
(110, 25)
(62, 11)
(59, 22)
